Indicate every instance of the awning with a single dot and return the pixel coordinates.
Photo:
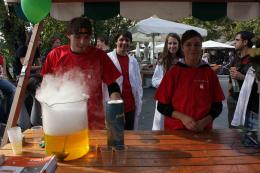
(169, 10)
(215, 45)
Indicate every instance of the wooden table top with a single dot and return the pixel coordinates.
(164, 151)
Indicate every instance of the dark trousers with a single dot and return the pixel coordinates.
(231, 104)
(129, 120)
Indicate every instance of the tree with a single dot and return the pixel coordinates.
(52, 28)
(110, 28)
(12, 32)
(223, 27)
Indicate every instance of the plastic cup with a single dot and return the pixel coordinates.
(37, 134)
(120, 154)
(16, 139)
(94, 153)
(106, 155)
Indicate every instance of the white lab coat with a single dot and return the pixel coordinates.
(244, 94)
(135, 82)
(158, 120)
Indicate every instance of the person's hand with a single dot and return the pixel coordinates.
(201, 124)
(236, 74)
(188, 122)
(215, 67)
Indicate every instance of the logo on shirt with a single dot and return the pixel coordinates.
(202, 83)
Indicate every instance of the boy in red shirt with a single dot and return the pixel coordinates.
(91, 61)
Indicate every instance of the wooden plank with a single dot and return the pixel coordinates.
(178, 134)
(23, 80)
(163, 162)
(153, 142)
(168, 134)
(252, 168)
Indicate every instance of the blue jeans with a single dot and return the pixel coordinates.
(251, 122)
(8, 90)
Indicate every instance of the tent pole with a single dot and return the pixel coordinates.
(258, 91)
(23, 80)
(153, 37)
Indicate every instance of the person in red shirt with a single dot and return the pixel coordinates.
(130, 83)
(1, 64)
(93, 62)
(190, 95)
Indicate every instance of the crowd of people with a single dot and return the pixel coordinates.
(188, 95)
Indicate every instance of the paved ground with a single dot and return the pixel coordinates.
(149, 106)
(147, 109)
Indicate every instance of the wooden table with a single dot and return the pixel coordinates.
(218, 151)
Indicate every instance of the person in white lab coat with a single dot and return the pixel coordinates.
(170, 56)
(130, 83)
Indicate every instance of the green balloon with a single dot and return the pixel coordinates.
(36, 10)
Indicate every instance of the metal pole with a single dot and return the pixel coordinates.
(258, 131)
(152, 57)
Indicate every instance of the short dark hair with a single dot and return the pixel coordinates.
(247, 35)
(53, 39)
(103, 39)
(190, 34)
(79, 23)
(124, 33)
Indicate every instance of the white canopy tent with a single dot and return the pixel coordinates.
(153, 26)
(137, 52)
(216, 45)
(205, 45)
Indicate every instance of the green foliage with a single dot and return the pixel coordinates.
(13, 30)
(110, 28)
(223, 28)
(52, 28)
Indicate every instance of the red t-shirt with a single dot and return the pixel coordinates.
(1, 60)
(190, 91)
(96, 65)
(1, 64)
(127, 95)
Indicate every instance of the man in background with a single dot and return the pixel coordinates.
(239, 67)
